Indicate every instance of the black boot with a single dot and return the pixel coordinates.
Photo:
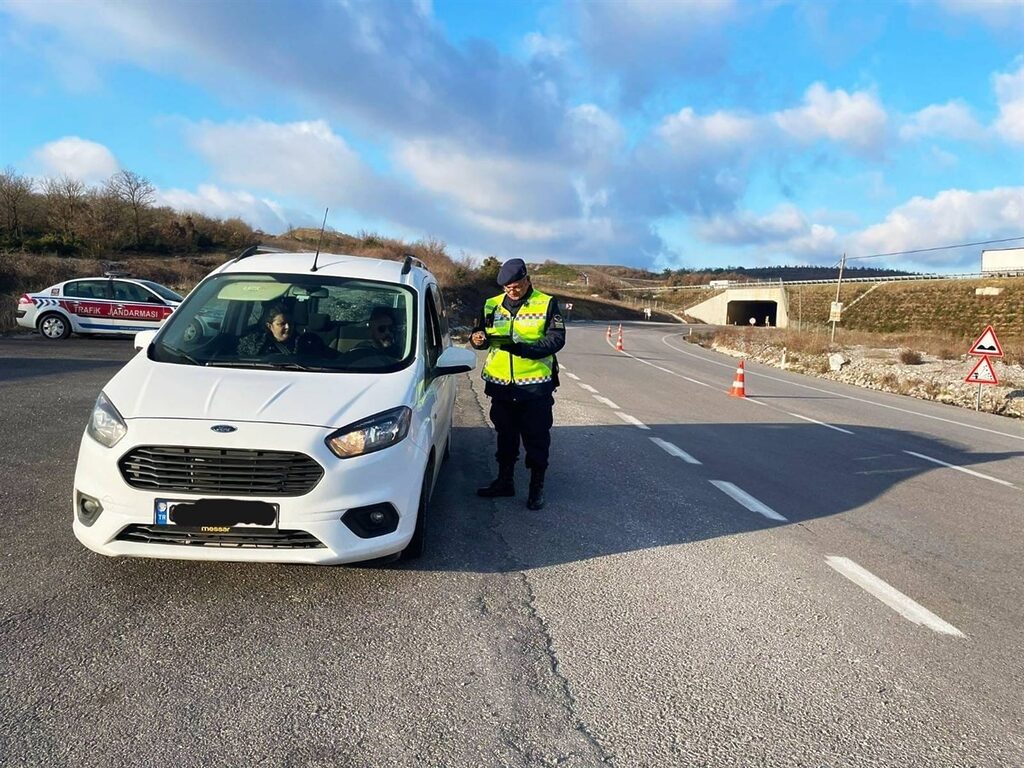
(502, 486)
(536, 499)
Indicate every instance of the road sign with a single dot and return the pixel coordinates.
(836, 312)
(568, 305)
(983, 373)
(987, 345)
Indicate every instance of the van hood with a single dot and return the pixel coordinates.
(151, 390)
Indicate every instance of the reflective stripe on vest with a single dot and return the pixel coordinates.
(528, 326)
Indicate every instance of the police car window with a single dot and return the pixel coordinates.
(131, 292)
(162, 291)
(86, 289)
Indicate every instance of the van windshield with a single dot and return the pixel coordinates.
(301, 322)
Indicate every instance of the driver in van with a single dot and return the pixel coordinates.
(275, 335)
(382, 332)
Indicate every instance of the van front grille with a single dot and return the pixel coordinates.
(243, 538)
(227, 471)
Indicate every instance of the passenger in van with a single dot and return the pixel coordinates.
(382, 333)
(274, 335)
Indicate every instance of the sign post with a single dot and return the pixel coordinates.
(986, 347)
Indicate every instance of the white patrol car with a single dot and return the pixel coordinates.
(102, 305)
(296, 408)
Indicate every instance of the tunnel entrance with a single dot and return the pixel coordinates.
(763, 312)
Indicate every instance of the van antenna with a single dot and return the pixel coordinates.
(318, 242)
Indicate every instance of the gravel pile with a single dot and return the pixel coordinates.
(882, 369)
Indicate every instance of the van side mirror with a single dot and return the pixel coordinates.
(455, 360)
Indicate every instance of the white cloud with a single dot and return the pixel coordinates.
(1000, 15)
(545, 46)
(953, 216)
(303, 158)
(78, 158)
(1009, 88)
(213, 201)
(696, 138)
(856, 120)
(783, 223)
(954, 120)
(489, 184)
(594, 135)
(786, 230)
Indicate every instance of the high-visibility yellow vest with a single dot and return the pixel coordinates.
(501, 366)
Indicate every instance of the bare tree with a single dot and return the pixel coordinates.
(15, 195)
(134, 191)
(65, 203)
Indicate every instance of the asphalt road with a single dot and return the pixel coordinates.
(815, 575)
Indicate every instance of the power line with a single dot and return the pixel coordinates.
(936, 248)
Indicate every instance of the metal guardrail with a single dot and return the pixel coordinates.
(832, 281)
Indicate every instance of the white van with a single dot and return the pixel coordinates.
(295, 408)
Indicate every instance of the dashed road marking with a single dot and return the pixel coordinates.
(631, 420)
(572, 376)
(748, 501)
(674, 450)
(965, 470)
(588, 388)
(606, 401)
(820, 423)
(891, 596)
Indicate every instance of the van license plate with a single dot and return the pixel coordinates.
(216, 513)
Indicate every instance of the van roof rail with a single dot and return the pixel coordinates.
(410, 262)
(252, 250)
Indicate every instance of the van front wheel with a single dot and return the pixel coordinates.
(415, 546)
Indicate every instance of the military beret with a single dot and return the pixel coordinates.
(511, 270)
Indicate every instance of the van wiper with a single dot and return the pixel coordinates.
(265, 366)
(181, 353)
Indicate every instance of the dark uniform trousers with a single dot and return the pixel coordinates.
(527, 420)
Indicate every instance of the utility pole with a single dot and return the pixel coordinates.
(839, 282)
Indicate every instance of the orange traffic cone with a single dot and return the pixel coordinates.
(609, 334)
(739, 388)
(618, 344)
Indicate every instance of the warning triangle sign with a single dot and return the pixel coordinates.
(983, 373)
(987, 344)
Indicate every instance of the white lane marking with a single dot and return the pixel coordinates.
(962, 469)
(606, 401)
(631, 420)
(588, 388)
(572, 376)
(891, 596)
(666, 370)
(674, 450)
(747, 500)
(848, 397)
(820, 423)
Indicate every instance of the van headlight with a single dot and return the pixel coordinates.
(106, 426)
(371, 434)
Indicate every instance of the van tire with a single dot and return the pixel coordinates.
(415, 547)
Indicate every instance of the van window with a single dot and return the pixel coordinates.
(336, 325)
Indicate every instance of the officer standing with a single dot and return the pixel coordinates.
(523, 329)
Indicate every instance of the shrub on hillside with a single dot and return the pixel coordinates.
(910, 356)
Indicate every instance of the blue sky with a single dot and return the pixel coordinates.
(640, 132)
